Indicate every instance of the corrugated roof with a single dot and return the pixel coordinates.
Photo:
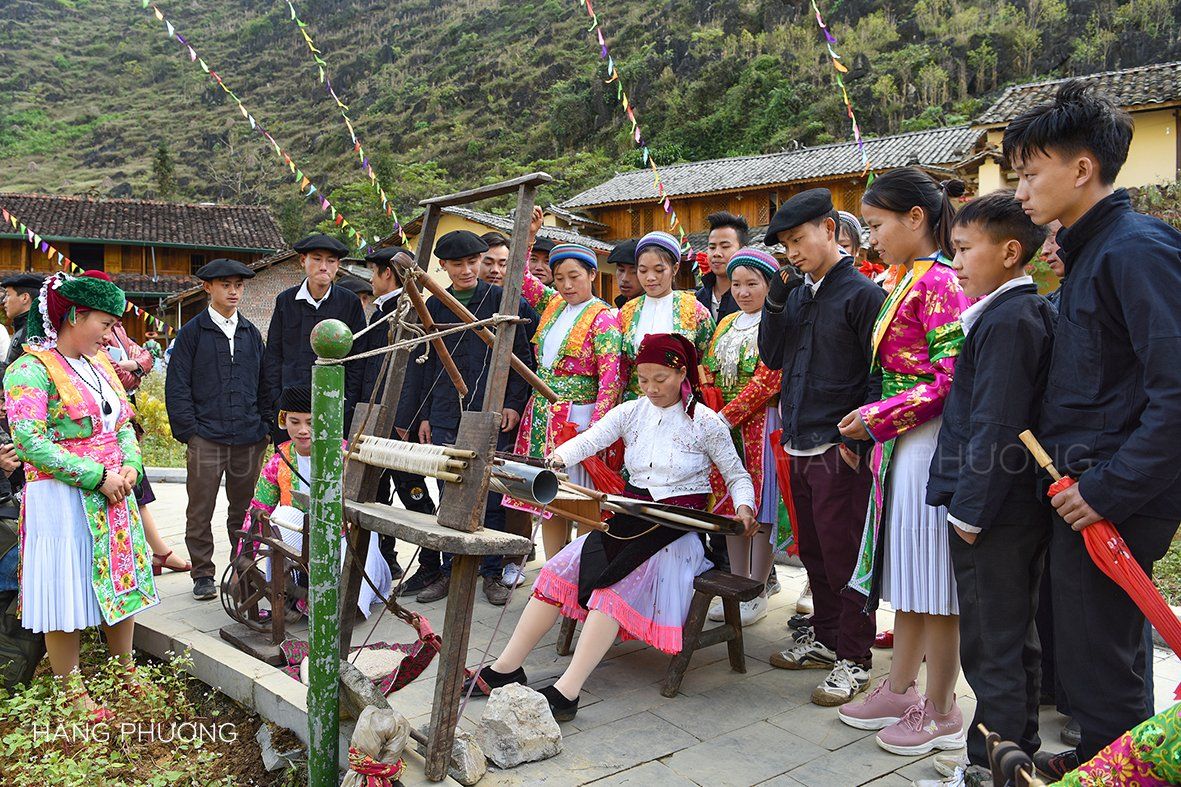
(505, 225)
(244, 227)
(1128, 87)
(934, 147)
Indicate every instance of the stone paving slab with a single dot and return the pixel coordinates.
(723, 728)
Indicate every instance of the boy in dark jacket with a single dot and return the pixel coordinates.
(1111, 416)
(217, 406)
(817, 328)
(985, 477)
(430, 406)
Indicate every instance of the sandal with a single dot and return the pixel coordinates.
(160, 562)
(135, 687)
(96, 714)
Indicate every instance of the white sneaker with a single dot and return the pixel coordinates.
(846, 681)
(773, 585)
(804, 602)
(716, 613)
(946, 763)
(512, 576)
(753, 611)
(806, 653)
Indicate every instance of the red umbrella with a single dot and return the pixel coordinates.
(1110, 553)
(783, 474)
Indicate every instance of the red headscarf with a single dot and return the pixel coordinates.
(675, 352)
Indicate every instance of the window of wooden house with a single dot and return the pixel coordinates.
(635, 222)
(87, 256)
(196, 261)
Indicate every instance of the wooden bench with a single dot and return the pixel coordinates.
(732, 590)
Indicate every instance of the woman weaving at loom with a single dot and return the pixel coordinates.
(636, 581)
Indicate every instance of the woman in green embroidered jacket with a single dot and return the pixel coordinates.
(84, 559)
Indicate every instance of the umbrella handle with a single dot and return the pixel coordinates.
(1039, 455)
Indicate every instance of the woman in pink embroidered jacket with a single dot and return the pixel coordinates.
(905, 556)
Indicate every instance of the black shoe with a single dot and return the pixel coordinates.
(204, 588)
(488, 679)
(799, 621)
(1054, 766)
(1072, 734)
(496, 591)
(563, 709)
(396, 571)
(418, 582)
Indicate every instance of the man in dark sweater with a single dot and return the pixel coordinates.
(817, 329)
(19, 291)
(430, 405)
(999, 524)
(1111, 416)
(217, 406)
(289, 357)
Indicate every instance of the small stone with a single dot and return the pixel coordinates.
(517, 727)
(274, 760)
(468, 763)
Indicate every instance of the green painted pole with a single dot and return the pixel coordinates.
(330, 339)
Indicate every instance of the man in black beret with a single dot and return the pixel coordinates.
(430, 406)
(19, 291)
(359, 287)
(623, 256)
(218, 407)
(539, 260)
(817, 328)
(289, 357)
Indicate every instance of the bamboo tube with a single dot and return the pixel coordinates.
(440, 349)
(458, 453)
(1039, 454)
(458, 308)
(582, 520)
(657, 513)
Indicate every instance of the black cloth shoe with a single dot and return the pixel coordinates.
(564, 709)
(496, 591)
(488, 679)
(1054, 766)
(799, 622)
(204, 588)
(436, 590)
(396, 571)
(418, 582)
(1072, 734)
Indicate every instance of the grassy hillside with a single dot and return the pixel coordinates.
(454, 92)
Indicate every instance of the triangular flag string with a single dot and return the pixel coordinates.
(840, 68)
(387, 204)
(637, 135)
(357, 237)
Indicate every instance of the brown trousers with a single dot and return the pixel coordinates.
(207, 463)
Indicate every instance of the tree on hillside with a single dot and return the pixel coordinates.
(164, 172)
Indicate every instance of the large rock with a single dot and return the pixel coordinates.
(517, 727)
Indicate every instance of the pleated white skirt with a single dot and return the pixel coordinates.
(57, 563)
(917, 575)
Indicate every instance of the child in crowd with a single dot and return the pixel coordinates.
(997, 521)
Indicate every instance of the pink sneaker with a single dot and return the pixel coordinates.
(922, 730)
(880, 708)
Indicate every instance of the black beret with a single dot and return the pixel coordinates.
(319, 241)
(224, 269)
(296, 399)
(457, 244)
(386, 256)
(802, 208)
(355, 285)
(23, 281)
(624, 253)
(544, 245)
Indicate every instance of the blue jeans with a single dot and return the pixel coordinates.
(433, 562)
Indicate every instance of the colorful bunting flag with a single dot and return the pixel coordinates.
(829, 40)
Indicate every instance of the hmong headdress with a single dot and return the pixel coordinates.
(573, 251)
(659, 240)
(62, 294)
(675, 352)
(761, 261)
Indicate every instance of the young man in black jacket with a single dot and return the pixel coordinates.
(1111, 416)
(289, 356)
(999, 524)
(19, 291)
(217, 406)
(817, 329)
(727, 234)
(431, 407)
